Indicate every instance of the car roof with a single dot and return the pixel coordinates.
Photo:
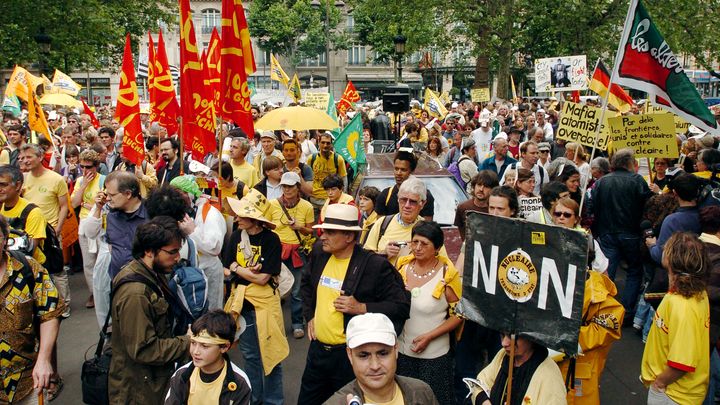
(382, 165)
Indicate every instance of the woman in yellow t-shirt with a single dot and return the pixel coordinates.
(83, 197)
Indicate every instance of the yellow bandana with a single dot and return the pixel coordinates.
(205, 337)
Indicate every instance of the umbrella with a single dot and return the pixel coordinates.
(296, 118)
(61, 99)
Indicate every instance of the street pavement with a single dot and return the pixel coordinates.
(79, 335)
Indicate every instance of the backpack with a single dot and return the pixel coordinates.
(709, 193)
(348, 169)
(189, 283)
(51, 247)
(383, 227)
(454, 168)
(541, 171)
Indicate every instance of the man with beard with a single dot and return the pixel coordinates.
(323, 164)
(170, 153)
(481, 185)
(143, 345)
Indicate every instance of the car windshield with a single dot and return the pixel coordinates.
(447, 193)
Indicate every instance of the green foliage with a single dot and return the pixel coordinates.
(87, 34)
(294, 28)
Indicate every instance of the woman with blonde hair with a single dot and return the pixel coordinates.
(676, 360)
(577, 154)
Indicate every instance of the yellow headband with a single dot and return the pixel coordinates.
(207, 338)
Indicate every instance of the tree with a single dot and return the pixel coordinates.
(294, 28)
(87, 34)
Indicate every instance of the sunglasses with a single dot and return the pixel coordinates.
(559, 214)
(410, 201)
(87, 166)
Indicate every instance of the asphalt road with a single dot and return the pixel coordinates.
(79, 334)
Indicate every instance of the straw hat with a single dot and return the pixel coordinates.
(257, 199)
(245, 209)
(342, 217)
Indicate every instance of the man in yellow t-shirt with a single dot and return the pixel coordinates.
(44, 187)
(242, 170)
(372, 350)
(11, 182)
(342, 281)
(323, 164)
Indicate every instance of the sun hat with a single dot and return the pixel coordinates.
(245, 209)
(341, 217)
(370, 328)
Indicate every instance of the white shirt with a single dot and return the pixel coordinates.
(539, 182)
(209, 234)
(482, 140)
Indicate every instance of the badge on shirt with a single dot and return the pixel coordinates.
(331, 283)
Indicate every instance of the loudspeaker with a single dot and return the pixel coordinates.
(396, 102)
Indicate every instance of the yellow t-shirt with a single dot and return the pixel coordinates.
(89, 194)
(245, 173)
(45, 192)
(680, 338)
(302, 213)
(344, 199)
(329, 323)
(394, 232)
(202, 393)
(34, 226)
(322, 168)
(397, 398)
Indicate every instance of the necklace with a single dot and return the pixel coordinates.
(426, 274)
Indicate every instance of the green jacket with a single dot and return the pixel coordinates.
(143, 346)
(415, 392)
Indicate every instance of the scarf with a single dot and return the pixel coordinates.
(521, 378)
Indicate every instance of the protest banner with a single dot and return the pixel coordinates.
(579, 122)
(649, 135)
(317, 100)
(529, 205)
(523, 277)
(681, 126)
(564, 73)
(480, 95)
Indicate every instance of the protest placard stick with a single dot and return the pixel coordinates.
(511, 365)
(220, 158)
(182, 146)
(650, 171)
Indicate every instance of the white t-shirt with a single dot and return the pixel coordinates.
(482, 140)
(539, 180)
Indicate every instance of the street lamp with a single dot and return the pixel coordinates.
(316, 4)
(43, 40)
(399, 41)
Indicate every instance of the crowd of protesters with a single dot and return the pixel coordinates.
(365, 272)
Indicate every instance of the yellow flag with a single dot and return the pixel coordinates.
(277, 73)
(445, 97)
(64, 84)
(434, 105)
(36, 115)
(512, 86)
(19, 82)
(294, 89)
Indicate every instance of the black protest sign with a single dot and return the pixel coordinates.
(525, 277)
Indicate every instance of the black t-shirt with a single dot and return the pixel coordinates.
(266, 249)
(392, 207)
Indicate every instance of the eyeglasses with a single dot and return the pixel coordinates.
(404, 200)
(559, 214)
(171, 252)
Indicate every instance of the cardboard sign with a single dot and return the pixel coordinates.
(317, 100)
(681, 126)
(69, 230)
(650, 135)
(529, 205)
(480, 95)
(579, 123)
(564, 73)
(525, 278)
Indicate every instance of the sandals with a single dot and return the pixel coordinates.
(56, 387)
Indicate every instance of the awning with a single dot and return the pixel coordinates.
(381, 80)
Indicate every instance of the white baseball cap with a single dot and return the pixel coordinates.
(370, 328)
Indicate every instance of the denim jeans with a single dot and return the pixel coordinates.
(266, 389)
(643, 318)
(625, 246)
(296, 316)
(714, 377)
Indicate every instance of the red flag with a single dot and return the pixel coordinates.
(235, 101)
(575, 96)
(164, 108)
(350, 94)
(197, 107)
(342, 106)
(599, 84)
(212, 65)
(93, 118)
(151, 68)
(128, 109)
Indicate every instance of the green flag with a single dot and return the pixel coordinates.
(332, 112)
(645, 62)
(11, 104)
(349, 143)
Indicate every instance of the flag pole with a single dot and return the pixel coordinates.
(220, 158)
(605, 99)
(181, 131)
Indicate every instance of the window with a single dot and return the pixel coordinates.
(379, 60)
(211, 18)
(356, 55)
(319, 60)
(350, 23)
